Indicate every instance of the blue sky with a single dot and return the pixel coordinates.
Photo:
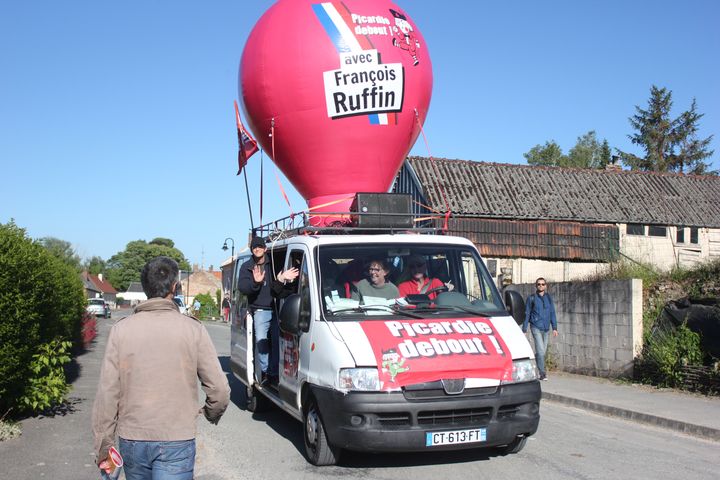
(116, 118)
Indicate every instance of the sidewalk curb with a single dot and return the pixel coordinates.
(707, 433)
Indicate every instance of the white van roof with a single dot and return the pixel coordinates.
(315, 240)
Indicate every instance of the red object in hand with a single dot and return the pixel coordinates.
(113, 461)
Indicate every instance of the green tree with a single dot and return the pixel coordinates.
(41, 299)
(588, 152)
(95, 265)
(162, 241)
(63, 250)
(605, 154)
(125, 267)
(670, 144)
(549, 155)
(208, 307)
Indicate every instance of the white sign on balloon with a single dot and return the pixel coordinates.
(363, 85)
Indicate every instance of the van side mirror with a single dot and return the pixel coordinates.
(515, 305)
(290, 315)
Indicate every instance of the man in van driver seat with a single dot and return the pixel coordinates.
(376, 284)
(256, 280)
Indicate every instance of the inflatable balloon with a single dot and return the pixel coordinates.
(341, 86)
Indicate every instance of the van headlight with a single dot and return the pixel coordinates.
(523, 371)
(358, 379)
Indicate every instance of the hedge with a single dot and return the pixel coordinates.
(41, 299)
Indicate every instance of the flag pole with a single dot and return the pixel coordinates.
(244, 139)
(247, 193)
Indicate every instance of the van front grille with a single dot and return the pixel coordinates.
(393, 418)
(469, 416)
(506, 412)
(435, 391)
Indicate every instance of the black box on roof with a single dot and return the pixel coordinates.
(382, 210)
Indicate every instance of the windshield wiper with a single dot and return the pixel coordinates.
(462, 308)
(385, 308)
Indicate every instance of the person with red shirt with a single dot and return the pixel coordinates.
(419, 282)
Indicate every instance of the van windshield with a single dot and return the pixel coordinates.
(405, 279)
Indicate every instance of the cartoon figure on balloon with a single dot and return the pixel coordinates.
(404, 36)
(393, 363)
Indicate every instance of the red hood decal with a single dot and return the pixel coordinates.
(417, 351)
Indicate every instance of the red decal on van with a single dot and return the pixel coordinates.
(417, 351)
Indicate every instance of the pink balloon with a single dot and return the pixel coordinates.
(342, 82)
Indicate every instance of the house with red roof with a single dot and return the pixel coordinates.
(107, 291)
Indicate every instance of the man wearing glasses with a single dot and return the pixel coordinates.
(376, 284)
(540, 314)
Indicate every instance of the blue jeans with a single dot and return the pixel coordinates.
(541, 343)
(264, 321)
(158, 460)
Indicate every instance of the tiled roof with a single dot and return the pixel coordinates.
(135, 287)
(103, 284)
(493, 190)
(87, 283)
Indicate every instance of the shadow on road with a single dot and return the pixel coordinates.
(237, 389)
(73, 370)
(292, 430)
(281, 422)
(393, 460)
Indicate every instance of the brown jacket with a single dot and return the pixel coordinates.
(148, 382)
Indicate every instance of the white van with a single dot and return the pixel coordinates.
(439, 370)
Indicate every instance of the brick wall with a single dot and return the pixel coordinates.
(599, 325)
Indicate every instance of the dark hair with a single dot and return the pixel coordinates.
(383, 263)
(159, 276)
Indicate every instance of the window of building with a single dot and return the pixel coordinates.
(492, 267)
(680, 235)
(635, 229)
(657, 231)
(694, 238)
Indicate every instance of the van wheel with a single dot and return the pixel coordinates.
(256, 401)
(513, 447)
(317, 448)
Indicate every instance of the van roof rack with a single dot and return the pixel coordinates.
(348, 223)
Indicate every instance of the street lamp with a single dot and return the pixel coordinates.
(225, 247)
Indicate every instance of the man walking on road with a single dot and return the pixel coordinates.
(148, 394)
(226, 307)
(540, 314)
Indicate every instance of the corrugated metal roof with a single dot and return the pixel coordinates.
(494, 190)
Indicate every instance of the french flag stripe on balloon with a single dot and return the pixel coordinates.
(337, 23)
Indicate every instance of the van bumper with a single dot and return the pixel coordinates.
(387, 421)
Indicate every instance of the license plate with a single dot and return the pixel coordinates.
(454, 437)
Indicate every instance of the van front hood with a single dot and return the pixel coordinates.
(411, 351)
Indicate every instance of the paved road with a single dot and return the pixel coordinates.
(570, 444)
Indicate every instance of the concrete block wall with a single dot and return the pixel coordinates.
(599, 325)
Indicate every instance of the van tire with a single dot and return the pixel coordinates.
(256, 402)
(317, 448)
(513, 447)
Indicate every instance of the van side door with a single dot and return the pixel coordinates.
(241, 331)
(292, 346)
